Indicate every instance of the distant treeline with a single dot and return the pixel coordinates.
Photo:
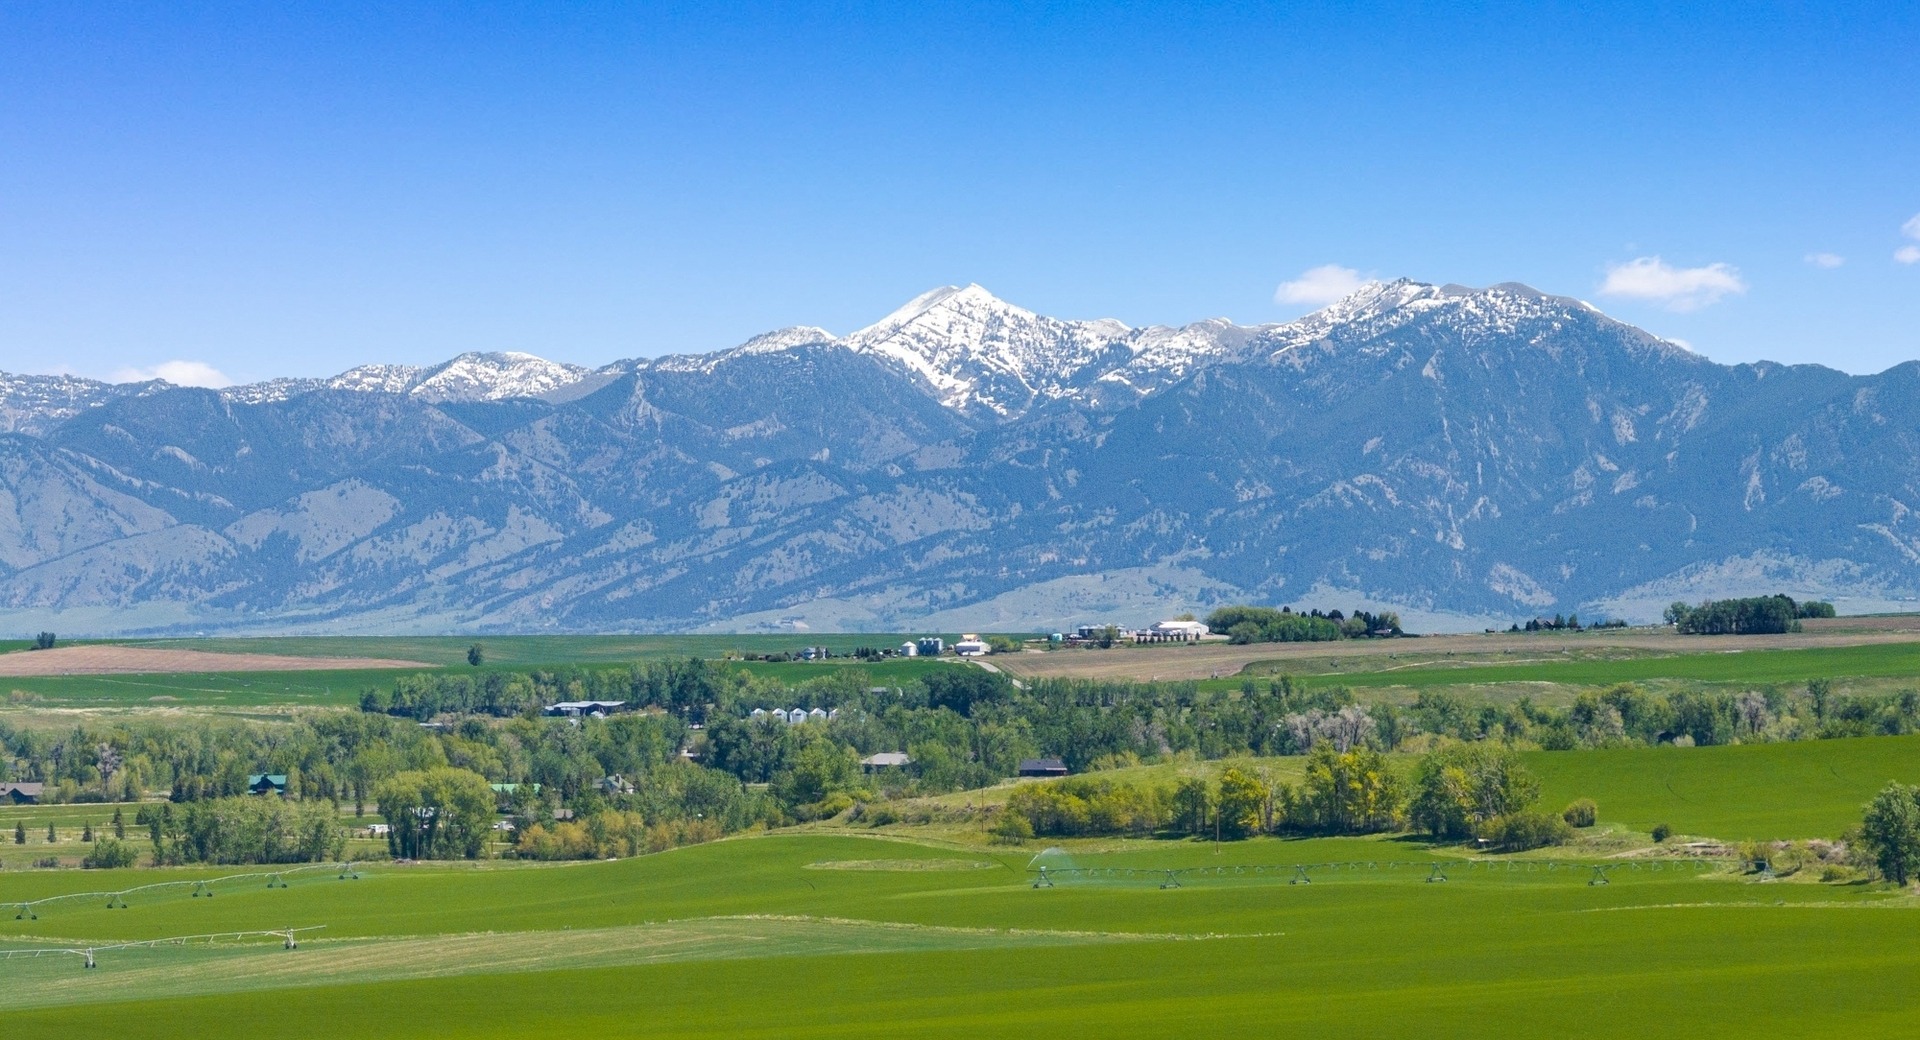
(683, 687)
(1242, 624)
(1755, 615)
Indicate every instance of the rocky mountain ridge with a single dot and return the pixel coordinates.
(1483, 453)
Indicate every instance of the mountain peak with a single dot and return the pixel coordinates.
(948, 300)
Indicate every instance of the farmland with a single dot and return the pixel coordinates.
(644, 946)
(917, 923)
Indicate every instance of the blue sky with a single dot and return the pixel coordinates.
(282, 189)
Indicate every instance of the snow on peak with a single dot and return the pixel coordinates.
(976, 350)
(1470, 316)
(493, 377)
(785, 339)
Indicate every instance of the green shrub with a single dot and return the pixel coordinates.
(1520, 831)
(1011, 828)
(109, 854)
(1582, 813)
(1661, 832)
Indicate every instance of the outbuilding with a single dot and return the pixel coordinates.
(592, 709)
(22, 794)
(886, 760)
(1042, 767)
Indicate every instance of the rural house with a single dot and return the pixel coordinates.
(267, 783)
(1042, 767)
(22, 794)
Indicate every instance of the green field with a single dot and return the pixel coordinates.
(342, 688)
(1807, 789)
(926, 930)
(537, 651)
(1883, 660)
(723, 940)
(200, 689)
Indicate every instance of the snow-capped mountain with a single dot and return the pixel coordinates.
(474, 376)
(34, 404)
(965, 462)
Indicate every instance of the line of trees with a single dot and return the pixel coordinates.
(1246, 624)
(1754, 615)
(240, 830)
(685, 687)
(1459, 792)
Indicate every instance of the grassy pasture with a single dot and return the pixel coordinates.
(231, 690)
(1807, 789)
(739, 938)
(1881, 660)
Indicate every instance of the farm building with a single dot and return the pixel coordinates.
(592, 709)
(886, 760)
(1042, 767)
(796, 716)
(971, 646)
(909, 649)
(932, 646)
(267, 783)
(1172, 632)
(22, 794)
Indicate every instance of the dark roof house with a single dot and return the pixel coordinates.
(1042, 767)
(22, 794)
(267, 783)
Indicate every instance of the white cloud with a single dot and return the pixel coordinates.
(1909, 254)
(1680, 288)
(1826, 260)
(179, 373)
(1321, 285)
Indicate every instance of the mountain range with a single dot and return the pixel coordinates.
(1466, 456)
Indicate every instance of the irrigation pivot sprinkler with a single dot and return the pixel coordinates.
(1599, 876)
(1170, 882)
(293, 943)
(276, 881)
(117, 901)
(348, 872)
(1043, 881)
(1436, 874)
(90, 963)
(202, 888)
(26, 913)
(1300, 876)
